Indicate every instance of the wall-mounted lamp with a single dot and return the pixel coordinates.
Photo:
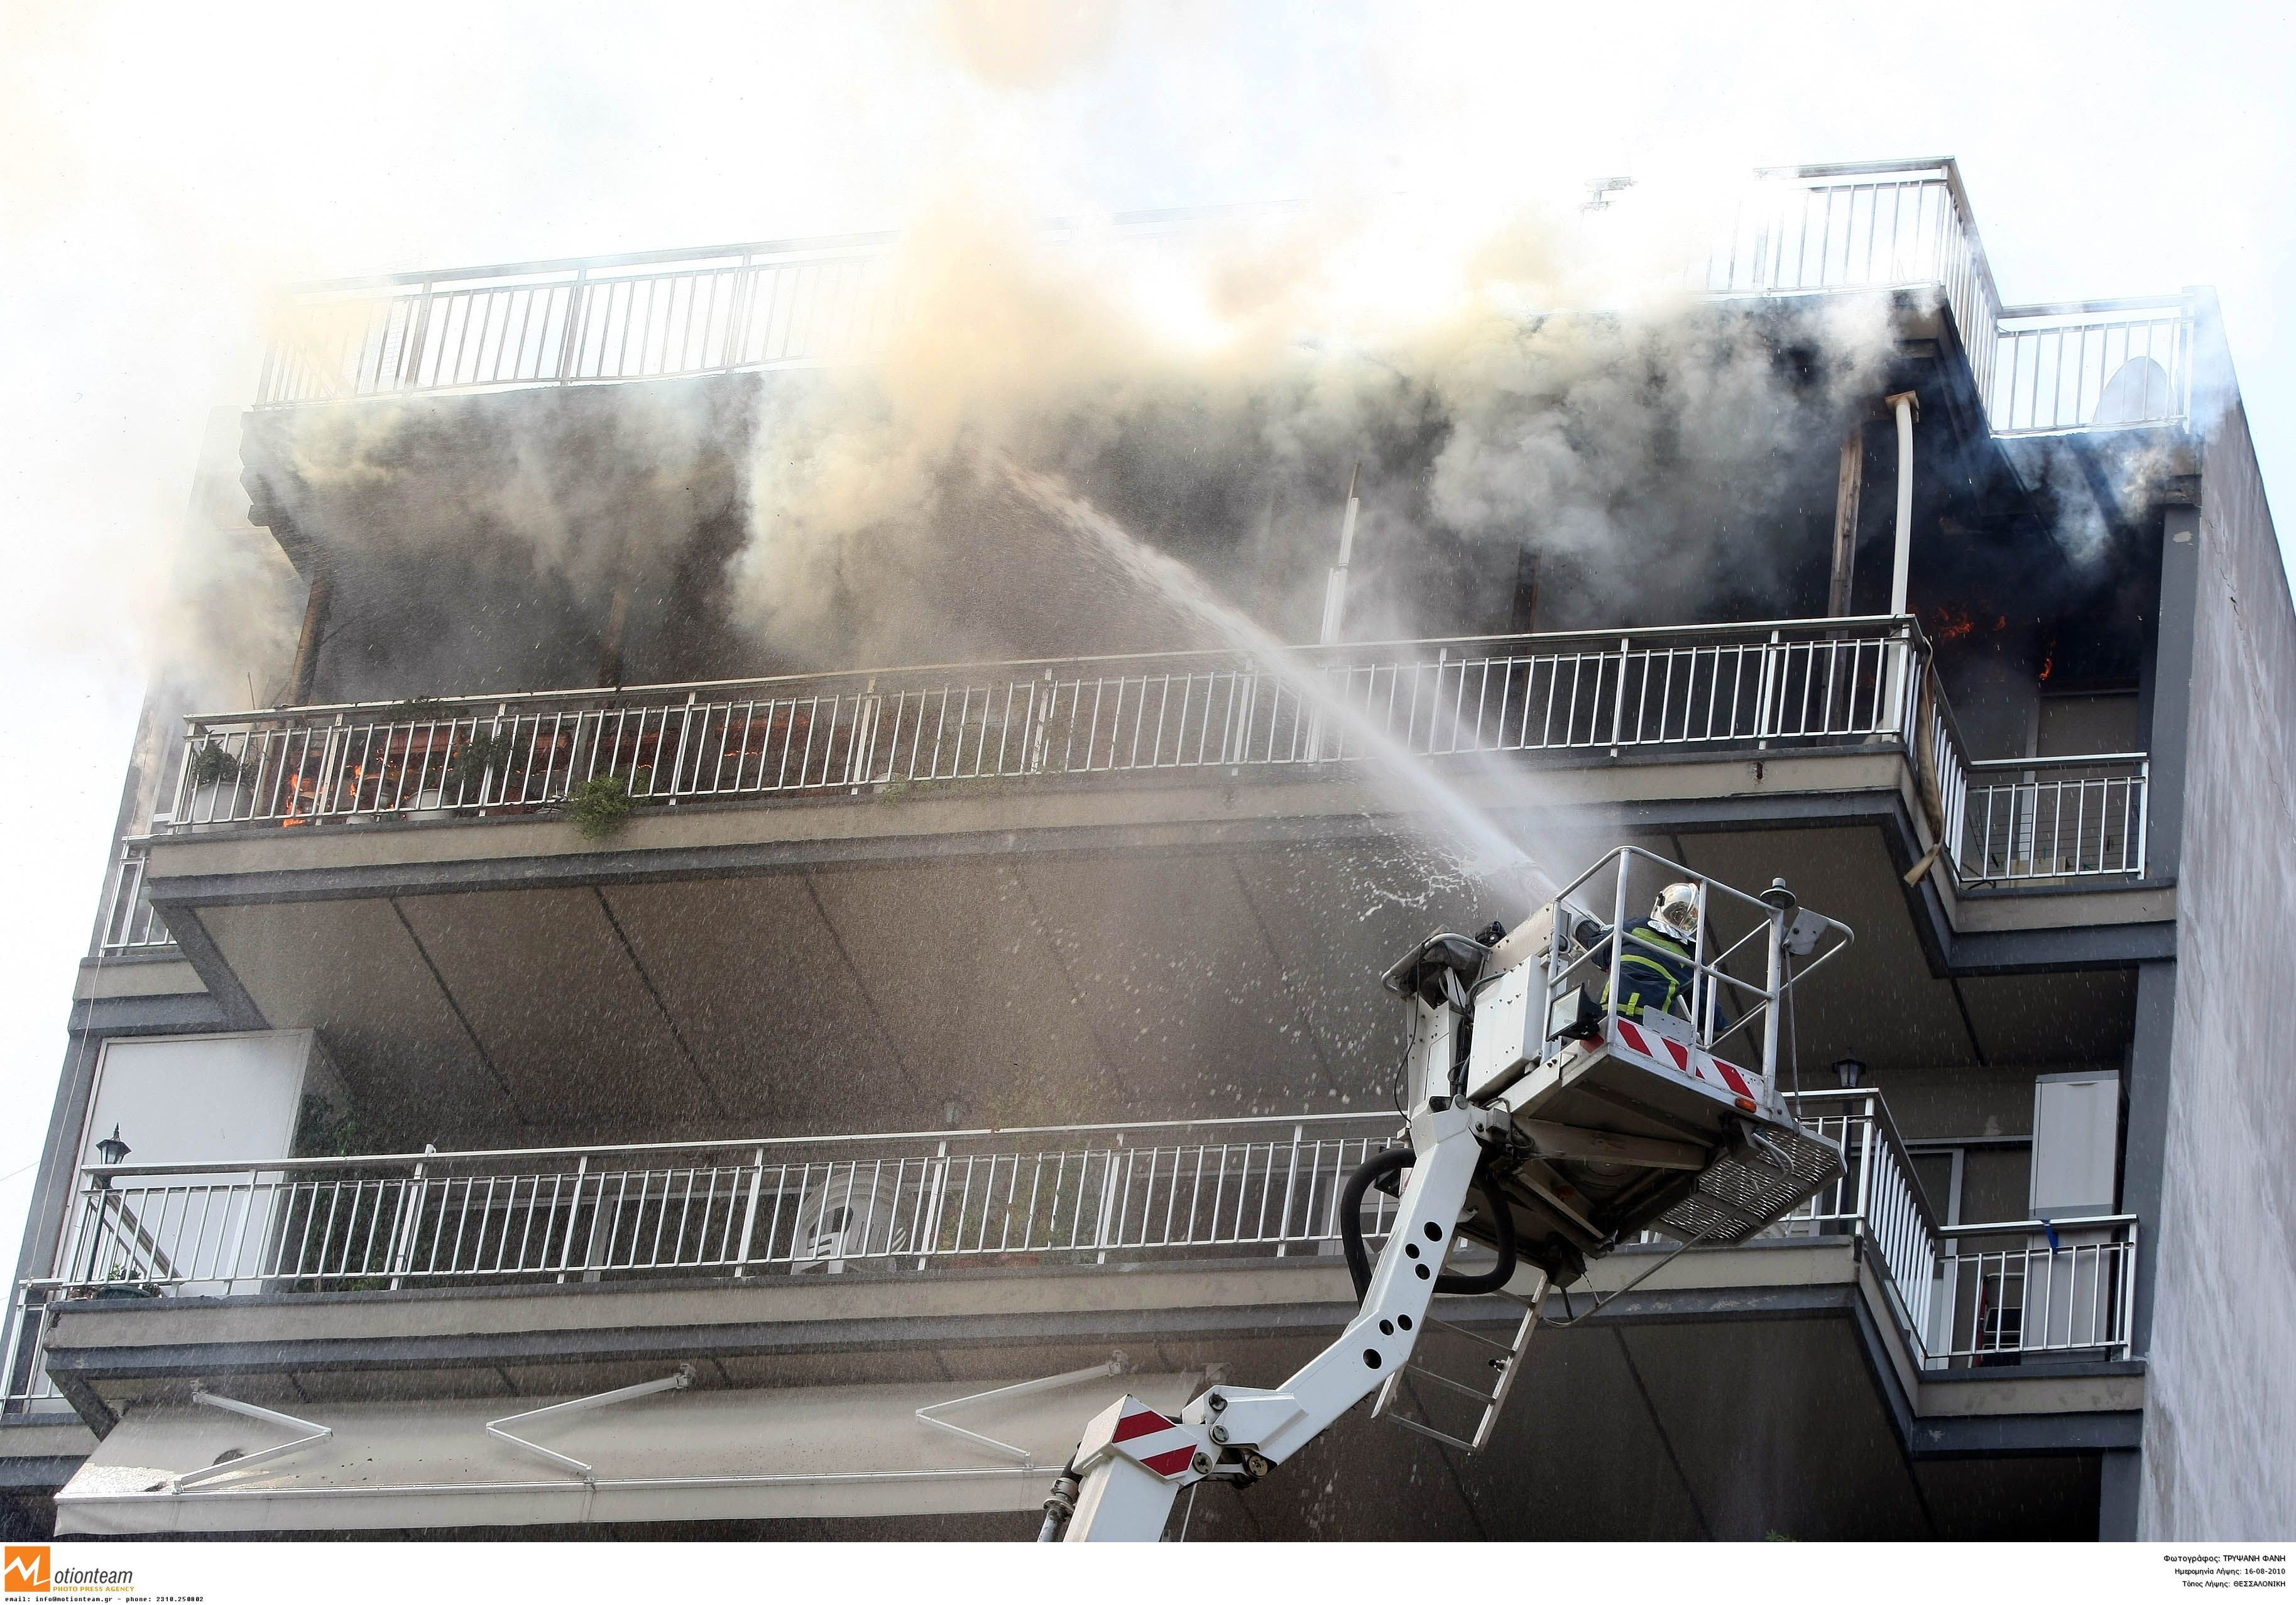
(111, 1150)
(1849, 1072)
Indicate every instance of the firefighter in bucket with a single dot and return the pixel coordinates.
(1657, 960)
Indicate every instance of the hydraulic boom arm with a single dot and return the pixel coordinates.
(1133, 1460)
(1579, 1112)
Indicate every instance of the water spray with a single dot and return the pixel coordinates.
(1485, 852)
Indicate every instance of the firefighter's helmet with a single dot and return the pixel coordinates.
(1676, 911)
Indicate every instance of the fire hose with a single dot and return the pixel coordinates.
(1387, 1162)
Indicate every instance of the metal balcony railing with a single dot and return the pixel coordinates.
(130, 924)
(2092, 364)
(1992, 1293)
(2023, 821)
(1865, 226)
(658, 314)
(1804, 683)
(653, 314)
(1067, 1196)
(1075, 1194)
(1050, 1196)
(2052, 819)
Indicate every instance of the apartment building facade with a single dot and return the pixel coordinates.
(552, 1067)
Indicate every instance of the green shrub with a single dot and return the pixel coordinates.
(600, 806)
(212, 765)
(469, 766)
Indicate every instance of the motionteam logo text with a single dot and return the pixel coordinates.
(28, 1568)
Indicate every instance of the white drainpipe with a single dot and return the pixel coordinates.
(1335, 587)
(1908, 407)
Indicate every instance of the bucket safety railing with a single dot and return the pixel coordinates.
(1758, 686)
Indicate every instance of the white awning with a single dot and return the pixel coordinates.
(694, 1454)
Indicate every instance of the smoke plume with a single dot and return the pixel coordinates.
(1215, 386)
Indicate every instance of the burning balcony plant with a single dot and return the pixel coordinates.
(213, 764)
(483, 753)
(211, 773)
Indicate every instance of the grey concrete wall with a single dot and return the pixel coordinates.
(2220, 1429)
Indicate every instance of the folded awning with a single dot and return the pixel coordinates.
(678, 1455)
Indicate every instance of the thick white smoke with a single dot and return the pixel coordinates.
(1519, 385)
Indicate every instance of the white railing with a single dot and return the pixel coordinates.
(789, 1204)
(1983, 1294)
(1049, 1195)
(2051, 818)
(1865, 225)
(1758, 686)
(130, 924)
(1076, 1196)
(657, 315)
(2092, 364)
(2008, 821)
(2012, 1289)
(1875, 1198)
(25, 1385)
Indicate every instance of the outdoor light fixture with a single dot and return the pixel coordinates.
(1849, 1072)
(111, 1150)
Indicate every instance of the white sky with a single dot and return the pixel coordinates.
(161, 164)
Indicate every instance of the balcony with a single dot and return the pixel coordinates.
(2043, 369)
(1169, 874)
(662, 315)
(130, 925)
(1050, 1202)
(1768, 690)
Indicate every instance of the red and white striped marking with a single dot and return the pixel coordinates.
(1696, 1064)
(1153, 1439)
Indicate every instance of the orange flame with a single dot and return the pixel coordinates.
(1953, 623)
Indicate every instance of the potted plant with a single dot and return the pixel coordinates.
(210, 768)
(121, 1282)
(464, 780)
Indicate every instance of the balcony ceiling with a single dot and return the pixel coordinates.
(1696, 1422)
(1026, 987)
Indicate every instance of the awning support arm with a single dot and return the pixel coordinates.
(684, 1378)
(313, 1432)
(1111, 1366)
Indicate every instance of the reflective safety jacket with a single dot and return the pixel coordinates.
(1655, 968)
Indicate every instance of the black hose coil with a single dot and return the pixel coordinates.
(1386, 1163)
